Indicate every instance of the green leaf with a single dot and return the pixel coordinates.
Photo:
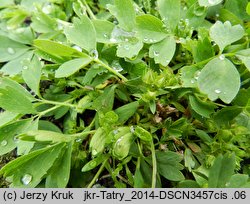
(28, 170)
(70, 67)
(163, 51)
(95, 162)
(105, 101)
(143, 134)
(9, 132)
(124, 12)
(43, 23)
(225, 34)
(61, 170)
(10, 49)
(202, 50)
(97, 142)
(6, 117)
(56, 49)
(203, 108)
(150, 29)
(244, 56)
(129, 49)
(4, 3)
(104, 30)
(168, 165)
(189, 76)
(237, 181)
(14, 98)
(189, 160)
(208, 3)
(16, 66)
(227, 114)
(122, 146)
(126, 111)
(219, 79)
(221, 171)
(248, 8)
(170, 11)
(32, 73)
(49, 126)
(75, 34)
(44, 136)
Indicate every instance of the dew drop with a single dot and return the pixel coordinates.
(156, 53)
(115, 132)
(47, 9)
(116, 66)
(113, 40)
(26, 179)
(126, 39)
(20, 30)
(11, 50)
(222, 57)
(25, 67)
(94, 54)
(145, 39)
(77, 48)
(126, 47)
(94, 152)
(167, 61)
(192, 81)
(105, 35)
(4, 143)
(132, 129)
(217, 91)
(78, 140)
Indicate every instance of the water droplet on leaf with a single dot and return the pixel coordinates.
(94, 54)
(4, 143)
(222, 57)
(217, 91)
(26, 179)
(10, 50)
(156, 53)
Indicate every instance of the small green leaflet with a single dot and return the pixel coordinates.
(219, 79)
(10, 49)
(224, 34)
(28, 170)
(9, 132)
(221, 171)
(203, 108)
(129, 49)
(6, 117)
(16, 66)
(124, 11)
(45, 136)
(82, 33)
(150, 29)
(56, 49)
(70, 67)
(170, 11)
(60, 172)
(104, 30)
(244, 56)
(31, 74)
(95, 162)
(14, 98)
(163, 51)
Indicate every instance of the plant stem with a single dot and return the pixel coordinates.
(58, 103)
(91, 14)
(83, 134)
(97, 174)
(154, 163)
(111, 70)
(47, 111)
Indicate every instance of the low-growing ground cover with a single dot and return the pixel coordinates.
(122, 93)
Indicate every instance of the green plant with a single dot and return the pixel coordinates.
(125, 93)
